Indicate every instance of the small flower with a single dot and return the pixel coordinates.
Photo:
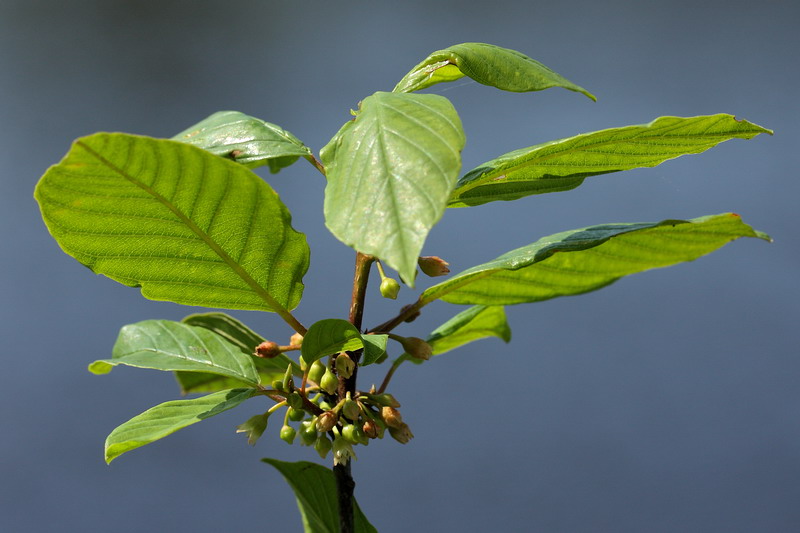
(342, 451)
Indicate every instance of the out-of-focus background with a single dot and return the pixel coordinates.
(666, 402)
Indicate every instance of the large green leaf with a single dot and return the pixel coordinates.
(314, 487)
(476, 322)
(245, 139)
(168, 345)
(564, 164)
(167, 418)
(183, 224)
(390, 174)
(242, 337)
(329, 336)
(491, 65)
(578, 261)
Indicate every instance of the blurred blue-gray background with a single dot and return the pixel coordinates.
(666, 402)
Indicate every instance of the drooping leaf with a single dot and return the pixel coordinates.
(476, 322)
(329, 336)
(374, 348)
(564, 164)
(583, 260)
(487, 64)
(315, 489)
(390, 174)
(246, 140)
(254, 427)
(171, 346)
(246, 340)
(167, 418)
(183, 224)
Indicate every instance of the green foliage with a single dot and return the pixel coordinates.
(189, 222)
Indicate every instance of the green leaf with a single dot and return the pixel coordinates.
(246, 140)
(254, 427)
(329, 336)
(168, 345)
(583, 260)
(317, 498)
(183, 224)
(390, 174)
(246, 340)
(487, 64)
(564, 164)
(374, 348)
(167, 418)
(477, 322)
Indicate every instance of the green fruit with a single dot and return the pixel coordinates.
(296, 415)
(316, 371)
(329, 382)
(390, 288)
(287, 434)
(308, 434)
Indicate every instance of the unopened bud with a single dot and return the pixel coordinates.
(417, 348)
(402, 434)
(295, 401)
(296, 340)
(370, 429)
(326, 421)
(390, 288)
(316, 371)
(287, 434)
(296, 415)
(277, 385)
(323, 446)
(353, 434)
(308, 433)
(392, 417)
(344, 365)
(288, 379)
(384, 399)
(329, 382)
(433, 266)
(350, 409)
(268, 350)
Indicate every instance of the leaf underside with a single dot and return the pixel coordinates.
(390, 174)
(182, 224)
(172, 346)
(246, 140)
(317, 498)
(583, 260)
(487, 64)
(167, 418)
(563, 164)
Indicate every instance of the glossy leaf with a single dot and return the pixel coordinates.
(474, 323)
(583, 260)
(167, 418)
(390, 174)
(186, 226)
(168, 345)
(246, 140)
(242, 337)
(314, 487)
(487, 64)
(329, 336)
(564, 164)
(374, 348)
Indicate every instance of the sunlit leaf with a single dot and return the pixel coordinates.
(167, 418)
(488, 64)
(578, 261)
(390, 174)
(314, 487)
(474, 323)
(245, 139)
(246, 340)
(564, 164)
(171, 346)
(183, 224)
(329, 336)
(374, 348)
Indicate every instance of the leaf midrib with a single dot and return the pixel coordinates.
(237, 268)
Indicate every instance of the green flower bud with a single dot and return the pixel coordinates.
(350, 409)
(384, 399)
(268, 350)
(287, 434)
(392, 417)
(296, 340)
(277, 385)
(370, 429)
(329, 382)
(433, 266)
(344, 365)
(316, 371)
(323, 446)
(296, 415)
(288, 379)
(295, 401)
(417, 348)
(326, 421)
(390, 288)
(308, 433)
(353, 433)
(402, 434)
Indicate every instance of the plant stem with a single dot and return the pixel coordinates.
(360, 278)
(345, 486)
(406, 312)
(395, 365)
